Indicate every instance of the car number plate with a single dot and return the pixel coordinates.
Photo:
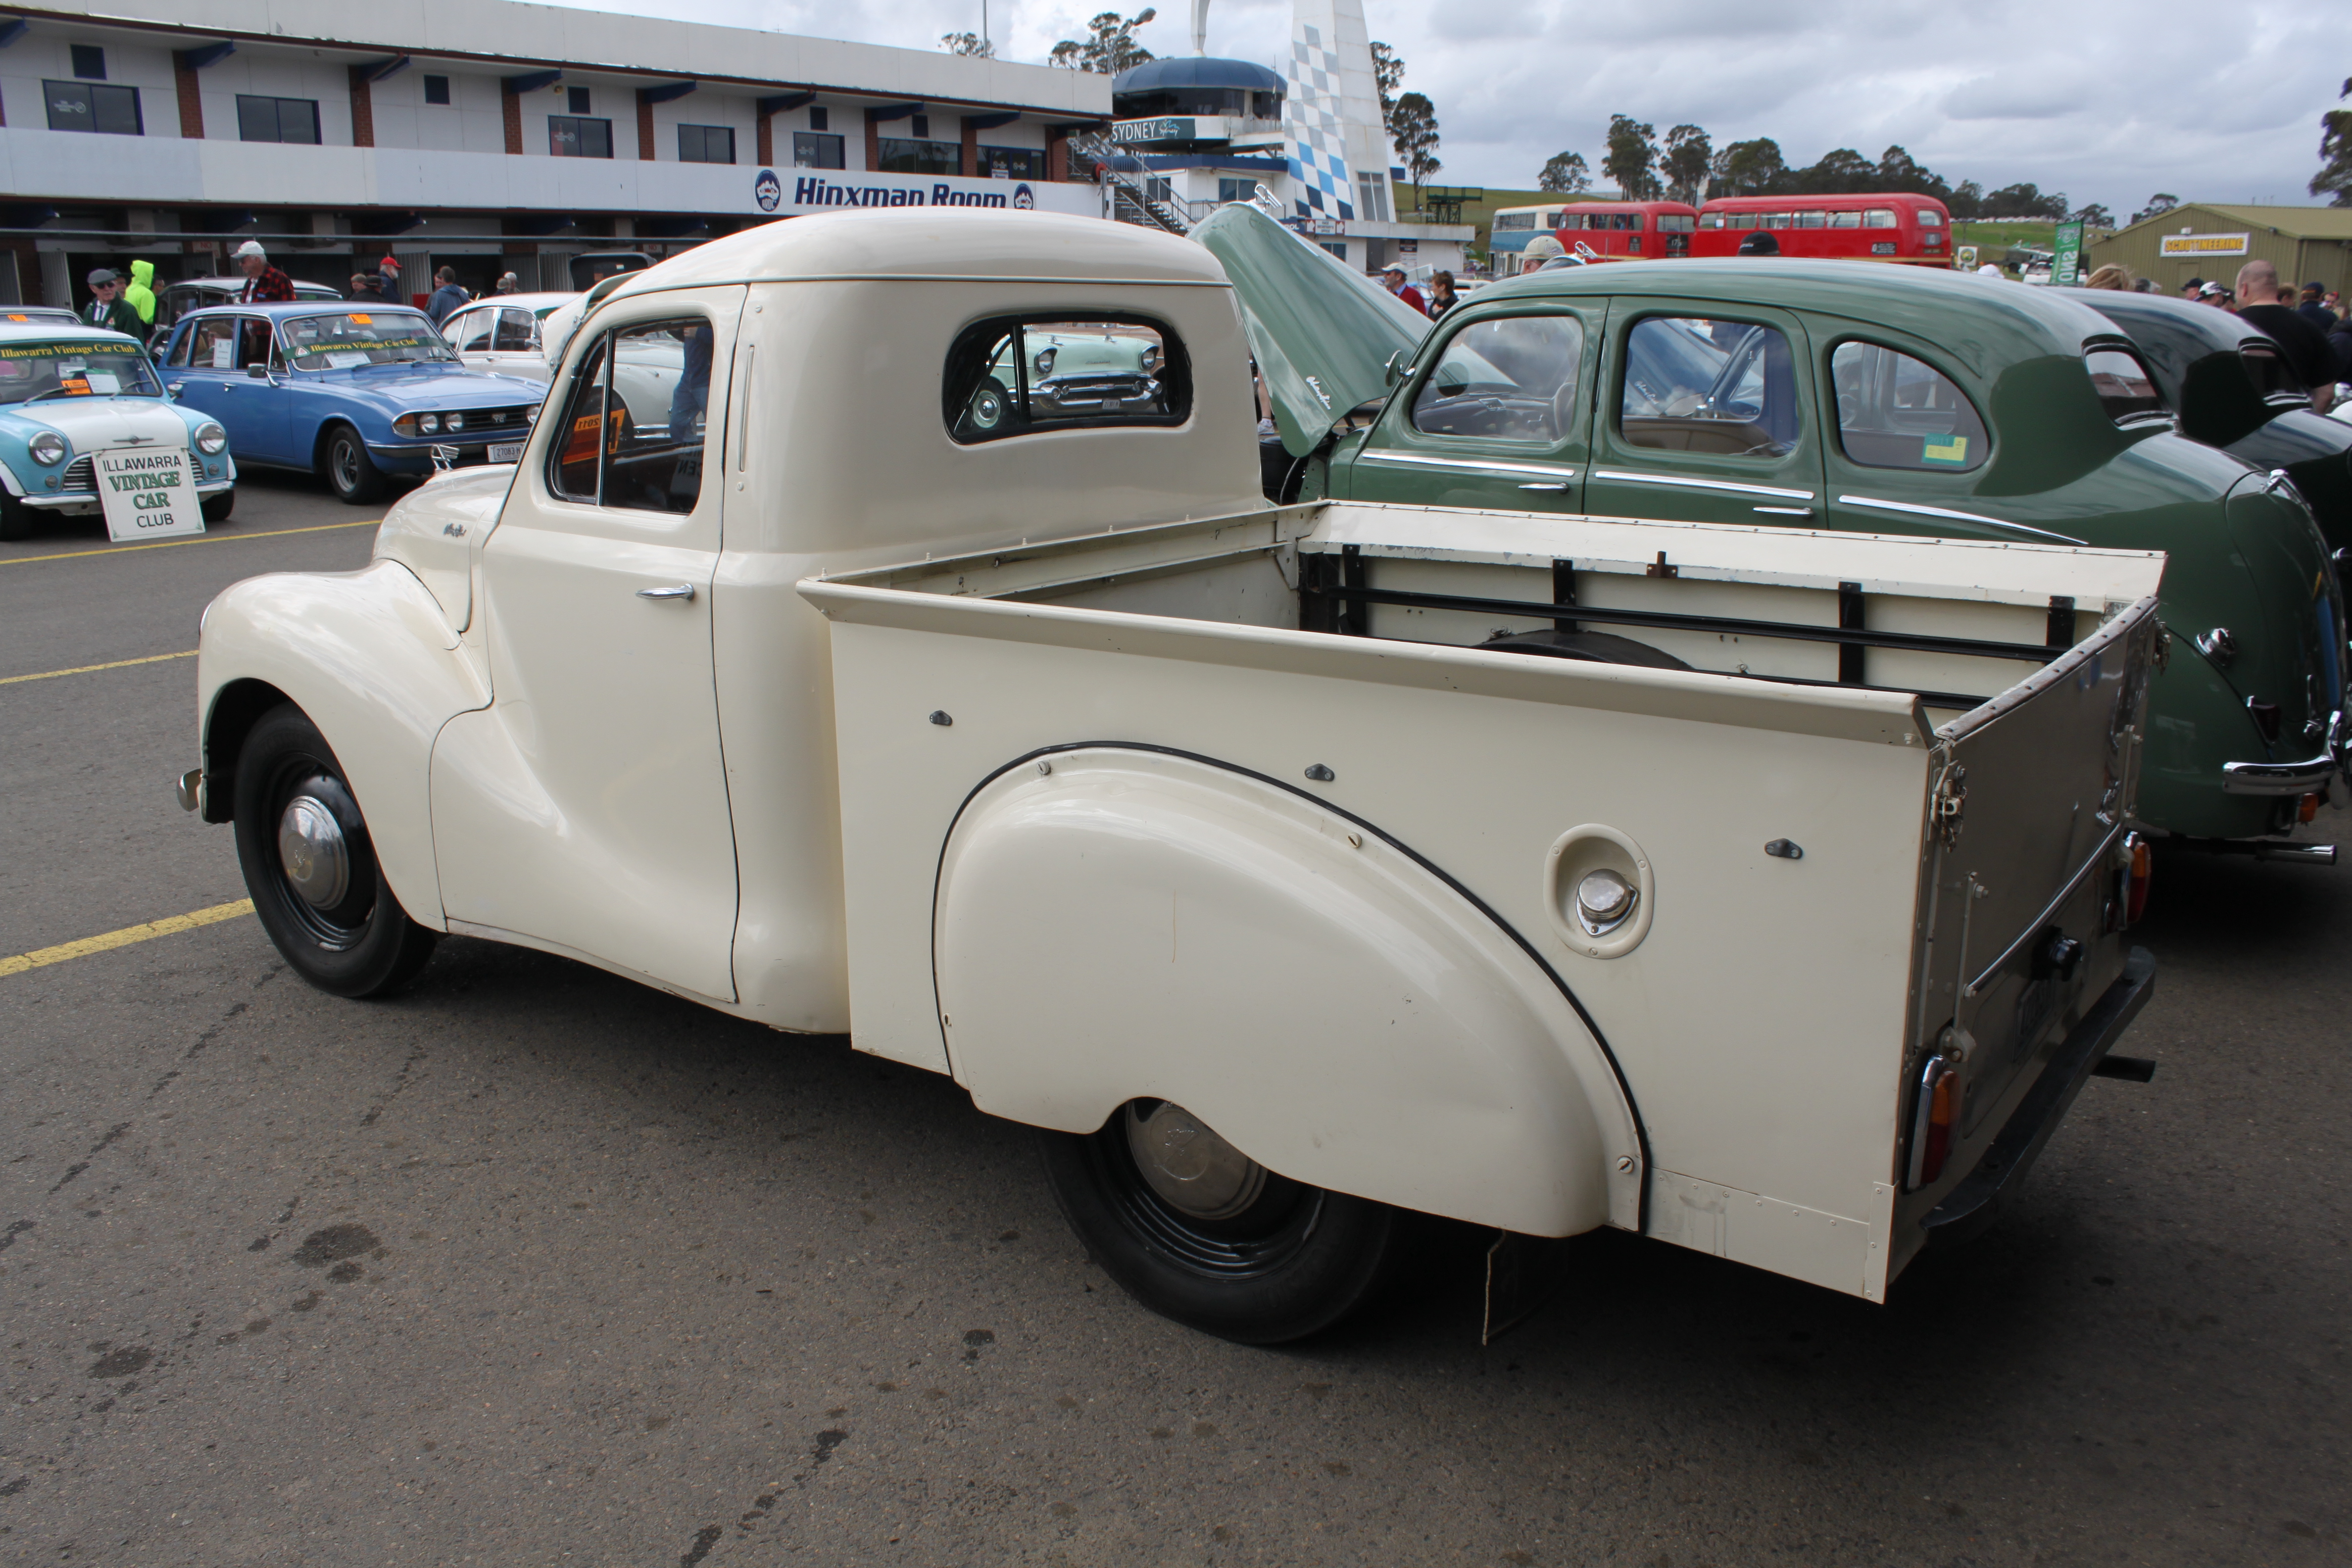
(507, 452)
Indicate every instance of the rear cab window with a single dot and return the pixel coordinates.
(1018, 375)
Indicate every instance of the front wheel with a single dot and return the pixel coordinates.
(15, 518)
(1198, 1231)
(217, 507)
(352, 473)
(311, 867)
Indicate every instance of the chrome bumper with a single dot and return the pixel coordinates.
(2310, 777)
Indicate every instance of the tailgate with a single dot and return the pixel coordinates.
(2027, 873)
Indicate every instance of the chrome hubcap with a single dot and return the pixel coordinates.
(1189, 1167)
(312, 853)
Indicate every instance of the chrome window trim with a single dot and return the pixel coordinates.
(1548, 470)
(1914, 510)
(1776, 492)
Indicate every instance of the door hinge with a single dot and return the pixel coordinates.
(1949, 801)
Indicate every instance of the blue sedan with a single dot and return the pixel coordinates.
(354, 393)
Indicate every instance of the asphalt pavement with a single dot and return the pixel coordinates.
(531, 1265)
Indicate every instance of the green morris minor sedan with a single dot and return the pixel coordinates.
(1813, 394)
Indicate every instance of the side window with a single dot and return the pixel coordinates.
(1018, 375)
(1896, 412)
(256, 342)
(470, 331)
(1511, 379)
(1723, 388)
(208, 344)
(518, 332)
(633, 432)
(2123, 386)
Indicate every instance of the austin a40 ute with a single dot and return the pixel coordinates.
(1287, 868)
(352, 395)
(68, 394)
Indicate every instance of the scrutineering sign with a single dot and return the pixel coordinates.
(148, 495)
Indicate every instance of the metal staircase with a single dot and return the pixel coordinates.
(1131, 196)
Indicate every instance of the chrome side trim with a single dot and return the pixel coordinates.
(1548, 470)
(1726, 485)
(1914, 510)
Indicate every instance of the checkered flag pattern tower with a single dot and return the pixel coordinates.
(1331, 114)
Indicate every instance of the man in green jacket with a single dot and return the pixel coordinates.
(106, 307)
(139, 296)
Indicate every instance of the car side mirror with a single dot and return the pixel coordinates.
(257, 372)
(1394, 370)
(173, 392)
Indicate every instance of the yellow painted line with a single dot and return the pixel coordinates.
(90, 669)
(128, 934)
(175, 543)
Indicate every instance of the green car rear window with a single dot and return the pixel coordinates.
(2126, 389)
(1898, 412)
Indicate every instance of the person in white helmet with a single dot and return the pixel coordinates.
(263, 282)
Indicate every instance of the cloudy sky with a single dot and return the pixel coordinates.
(2107, 102)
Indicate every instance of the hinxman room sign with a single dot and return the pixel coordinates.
(796, 191)
(2188, 246)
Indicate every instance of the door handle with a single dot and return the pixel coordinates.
(1546, 487)
(1784, 510)
(681, 591)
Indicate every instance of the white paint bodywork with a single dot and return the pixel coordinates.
(1109, 873)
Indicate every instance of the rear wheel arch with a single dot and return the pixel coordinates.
(1500, 1098)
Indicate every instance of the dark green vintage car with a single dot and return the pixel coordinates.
(1798, 394)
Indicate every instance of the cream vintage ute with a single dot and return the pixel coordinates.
(1290, 868)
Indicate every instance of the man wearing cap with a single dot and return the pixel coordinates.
(2213, 294)
(264, 284)
(387, 274)
(2313, 308)
(1392, 280)
(106, 307)
(509, 282)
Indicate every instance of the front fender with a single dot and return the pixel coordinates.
(369, 658)
(1133, 923)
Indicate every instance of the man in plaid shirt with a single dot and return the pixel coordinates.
(264, 284)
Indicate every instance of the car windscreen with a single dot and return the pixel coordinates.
(349, 339)
(36, 370)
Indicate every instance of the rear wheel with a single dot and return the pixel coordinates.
(1198, 1232)
(350, 470)
(311, 868)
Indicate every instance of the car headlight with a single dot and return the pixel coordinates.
(454, 421)
(210, 438)
(48, 448)
(429, 423)
(1045, 361)
(1150, 361)
(531, 415)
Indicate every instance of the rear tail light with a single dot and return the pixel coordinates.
(2143, 862)
(2310, 808)
(1934, 1120)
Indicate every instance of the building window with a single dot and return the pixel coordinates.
(1235, 190)
(1012, 164)
(706, 144)
(1372, 198)
(904, 156)
(436, 89)
(575, 98)
(87, 106)
(89, 62)
(817, 122)
(923, 127)
(811, 150)
(572, 136)
(276, 119)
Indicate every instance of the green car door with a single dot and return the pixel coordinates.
(1705, 414)
(1496, 415)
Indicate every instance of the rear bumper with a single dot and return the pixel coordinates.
(2310, 777)
(1972, 1204)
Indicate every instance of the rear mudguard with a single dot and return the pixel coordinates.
(1116, 923)
(369, 658)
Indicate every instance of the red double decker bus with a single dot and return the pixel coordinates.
(1879, 226)
(1612, 231)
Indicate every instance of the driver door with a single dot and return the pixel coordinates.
(1498, 418)
(586, 808)
(1708, 416)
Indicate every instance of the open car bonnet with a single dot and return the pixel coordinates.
(1322, 336)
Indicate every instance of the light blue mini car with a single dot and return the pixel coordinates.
(354, 392)
(69, 394)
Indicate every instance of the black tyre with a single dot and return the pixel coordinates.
(217, 507)
(350, 472)
(1197, 1231)
(15, 518)
(311, 869)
